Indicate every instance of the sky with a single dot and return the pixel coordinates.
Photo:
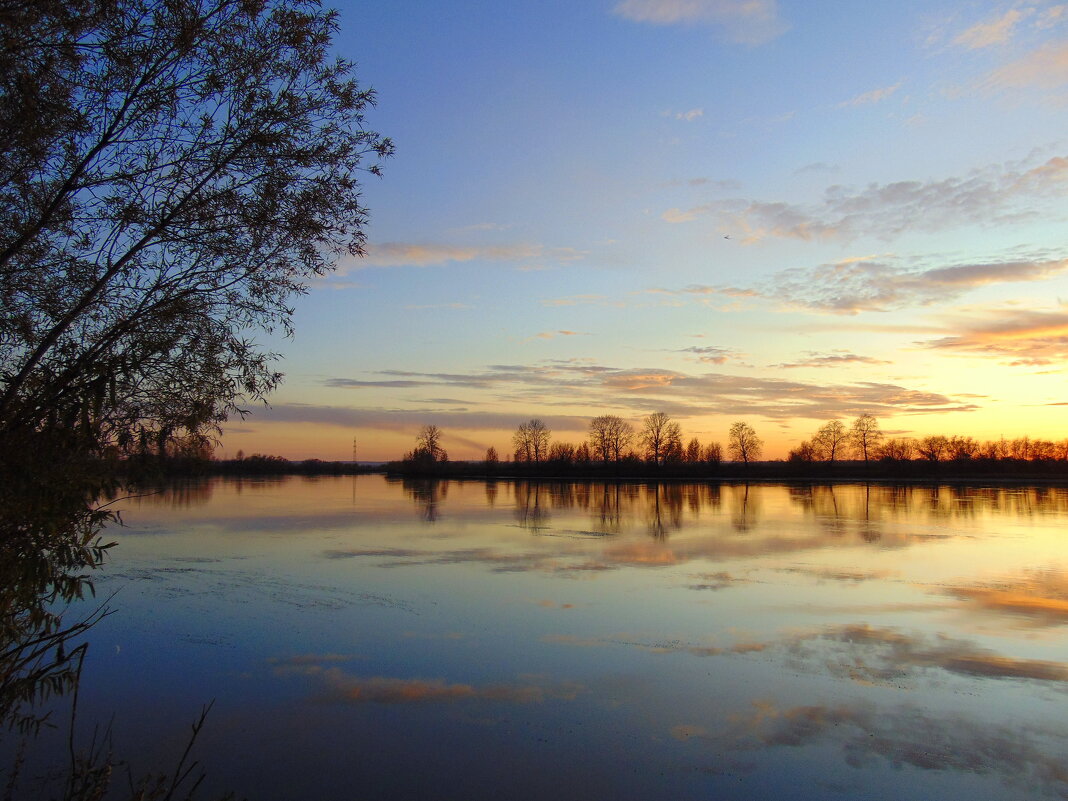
(776, 211)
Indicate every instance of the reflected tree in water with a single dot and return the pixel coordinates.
(427, 493)
(532, 501)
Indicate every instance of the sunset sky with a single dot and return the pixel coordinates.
(779, 212)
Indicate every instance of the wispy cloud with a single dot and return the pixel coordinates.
(1021, 337)
(635, 390)
(338, 686)
(837, 359)
(555, 334)
(403, 254)
(873, 96)
(691, 115)
(855, 286)
(993, 31)
(999, 193)
(877, 284)
(1044, 68)
(744, 21)
(710, 354)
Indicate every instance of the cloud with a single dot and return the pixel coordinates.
(1044, 68)
(635, 389)
(402, 254)
(837, 359)
(691, 115)
(863, 652)
(852, 286)
(1025, 758)
(1034, 599)
(997, 194)
(1023, 337)
(579, 300)
(873, 96)
(554, 334)
(744, 21)
(992, 32)
(817, 166)
(340, 687)
(710, 354)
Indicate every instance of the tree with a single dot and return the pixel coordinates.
(743, 444)
(866, 435)
(830, 439)
(897, 450)
(661, 438)
(805, 452)
(173, 172)
(609, 436)
(562, 453)
(693, 451)
(491, 456)
(531, 441)
(428, 446)
(932, 448)
(713, 453)
(961, 448)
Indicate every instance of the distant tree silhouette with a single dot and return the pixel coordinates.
(662, 438)
(901, 449)
(610, 436)
(831, 440)
(428, 448)
(713, 453)
(804, 452)
(692, 455)
(562, 453)
(582, 453)
(531, 441)
(866, 435)
(933, 448)
(961, 448)
(743, 444)
(491, 456)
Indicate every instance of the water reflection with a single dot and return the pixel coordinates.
(526, 638)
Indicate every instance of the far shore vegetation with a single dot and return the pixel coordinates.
(615, 449)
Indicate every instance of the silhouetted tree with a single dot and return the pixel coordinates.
(713, 453)
(693, 451)
(897, 450)
(491, 456)
(173, 172)
(427, 447)
(961, 448)
(743, 443)
(562, 453)
(932, 448)
(531, 441)
(661, 438)
(610, 436)
(865, 435)
(582, 453)
(804, 452)
(830, 440)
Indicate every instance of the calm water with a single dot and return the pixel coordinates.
(420, 640)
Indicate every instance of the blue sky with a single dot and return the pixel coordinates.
(781, 212)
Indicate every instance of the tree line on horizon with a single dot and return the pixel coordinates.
(659, 441)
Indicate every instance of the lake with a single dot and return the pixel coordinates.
(383, 639)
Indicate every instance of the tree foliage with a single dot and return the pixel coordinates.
(662, 438)
(866, 435)
(171, 173)
(743, 444)
(531, 441)
(610, 436)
